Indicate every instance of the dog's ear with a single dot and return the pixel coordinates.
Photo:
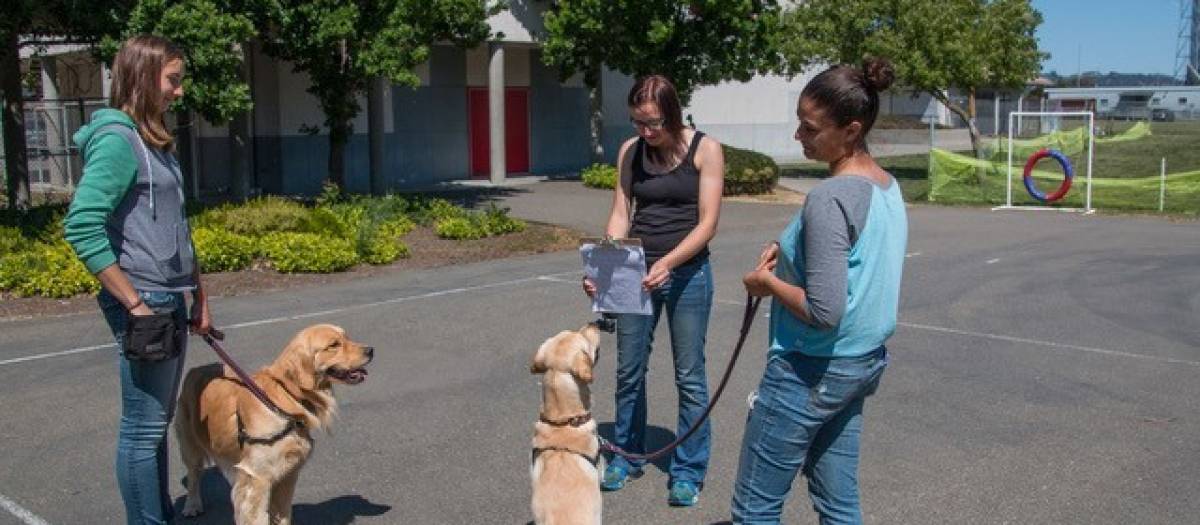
(581, 366)
(298, 362)
(538, 364)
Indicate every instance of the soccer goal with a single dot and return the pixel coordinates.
(1050, 149)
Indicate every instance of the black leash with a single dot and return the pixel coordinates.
(747, 321)
(212, 338)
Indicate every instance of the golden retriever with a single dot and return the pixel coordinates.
(220, 421)
(566, 460)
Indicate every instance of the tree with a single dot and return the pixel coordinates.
(32, 23)
(693, 43)
(343, 45)
(934, 45)
(207, 31)
(213, 35)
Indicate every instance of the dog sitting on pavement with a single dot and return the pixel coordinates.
(566, 462)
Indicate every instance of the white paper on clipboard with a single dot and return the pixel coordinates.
(617, 267)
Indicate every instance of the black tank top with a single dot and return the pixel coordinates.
(666, 204)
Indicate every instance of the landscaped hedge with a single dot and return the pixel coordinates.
(746, 172)
(600, 176)
(749, 172)
(332, 234)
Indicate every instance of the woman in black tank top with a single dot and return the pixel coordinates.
(672, 178)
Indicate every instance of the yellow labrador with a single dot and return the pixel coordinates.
(566, 462)
(257, 450)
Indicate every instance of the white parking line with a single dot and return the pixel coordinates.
(992, 261)
(1051, 344)
(556, 277)
(25, 516)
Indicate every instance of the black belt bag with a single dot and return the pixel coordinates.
(153, 337)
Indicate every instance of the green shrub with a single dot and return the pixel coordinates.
(749, 172)
(222, 251)
(308, 252)
(12, 240)
(340, 220)
(495, 221)
(258, 216)
(47, 270)
(601, 176)
(459, 228)
(383, 249)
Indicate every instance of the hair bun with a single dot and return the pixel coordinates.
(878, 74)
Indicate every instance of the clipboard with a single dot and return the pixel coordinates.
(617, 267)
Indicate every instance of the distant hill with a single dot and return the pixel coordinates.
(1111, 79)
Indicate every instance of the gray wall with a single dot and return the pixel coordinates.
(558, 122)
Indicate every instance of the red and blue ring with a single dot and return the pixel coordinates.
(1068, 172)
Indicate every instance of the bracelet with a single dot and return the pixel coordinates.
(135, 304)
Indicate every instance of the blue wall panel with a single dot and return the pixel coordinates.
(558, 126)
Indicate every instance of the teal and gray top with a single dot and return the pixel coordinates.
(129, 207)
(846, 249)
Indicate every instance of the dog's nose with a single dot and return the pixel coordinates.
(370, 352)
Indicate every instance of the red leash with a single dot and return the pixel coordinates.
(747, 321)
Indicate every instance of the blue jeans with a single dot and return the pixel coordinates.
(148, 391)
(806, 415)
(687, 299)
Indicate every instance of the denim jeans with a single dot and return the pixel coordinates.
(806, 415)
(148, 391)
(687, 299)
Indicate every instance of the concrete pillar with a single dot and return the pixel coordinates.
(241, 137)
(105, 81)
(496, 111)
(56, 126)
(376, 89)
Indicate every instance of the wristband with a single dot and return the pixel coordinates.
(135, 304)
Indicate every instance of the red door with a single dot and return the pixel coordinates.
(516, 131)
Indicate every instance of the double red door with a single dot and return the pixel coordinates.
(516, 131)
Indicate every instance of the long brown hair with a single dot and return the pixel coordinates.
(136, 73)
(658, 90)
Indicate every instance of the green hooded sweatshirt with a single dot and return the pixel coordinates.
(128, 207)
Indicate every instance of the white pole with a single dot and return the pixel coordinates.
(1008, 198)
(1162, 185)
(1091, 154)
(996, 116)
(929, 163)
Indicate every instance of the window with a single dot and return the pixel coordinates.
(1103, 102)
(1155, 100)
(1183, 100)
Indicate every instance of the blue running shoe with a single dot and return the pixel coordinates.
(615, 477)
(683, 494)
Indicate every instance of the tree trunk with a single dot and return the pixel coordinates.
(339, 134)
(972, 129)
(16, 158)
(596, 117)
(376, 90)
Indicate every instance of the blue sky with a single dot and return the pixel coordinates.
(1129, 36)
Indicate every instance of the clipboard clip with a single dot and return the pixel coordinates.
(609, 241)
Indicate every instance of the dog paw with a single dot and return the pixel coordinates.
(192, 508)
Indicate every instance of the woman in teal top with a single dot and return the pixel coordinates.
(834, 277)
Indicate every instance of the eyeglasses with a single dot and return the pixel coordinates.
(652, 125)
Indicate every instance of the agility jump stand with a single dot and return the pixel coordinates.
(1091, 143)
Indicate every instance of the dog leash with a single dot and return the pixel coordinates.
(212, 338)
(747, 321)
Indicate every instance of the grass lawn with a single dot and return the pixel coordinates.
(1178, 142)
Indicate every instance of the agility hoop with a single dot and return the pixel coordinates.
(1068, 175)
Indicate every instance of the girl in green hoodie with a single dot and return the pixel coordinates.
(127, 224)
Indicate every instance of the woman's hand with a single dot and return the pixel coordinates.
(657, 276)
(589, 287)
(758, 280)
(201, 322)
(141, 310)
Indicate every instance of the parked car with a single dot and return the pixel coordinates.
(1162, 115)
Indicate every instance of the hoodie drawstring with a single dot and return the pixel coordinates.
(149, 172)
